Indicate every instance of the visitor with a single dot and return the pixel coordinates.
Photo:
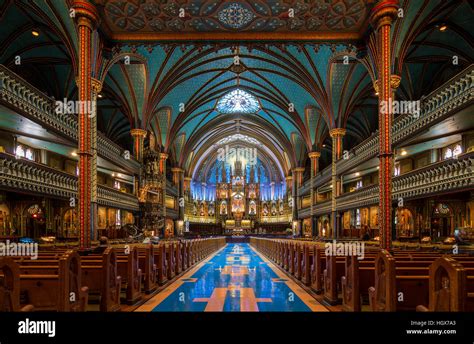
(103, 244)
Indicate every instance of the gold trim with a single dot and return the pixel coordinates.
(337, 132)
(236, 36)
(138, 132)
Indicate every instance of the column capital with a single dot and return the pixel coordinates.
(314, 155)
(287, 178)
(188, 178)
(138, 132)
(86, 13)
(177, 170)
(298, 169)
(383, 13)
(394, 83)
(337, 132)
(163, 156)
(96, 85)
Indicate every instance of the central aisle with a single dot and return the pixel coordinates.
(235, 279)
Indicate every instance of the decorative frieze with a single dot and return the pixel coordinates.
(22, 97)
(31, 177)
(445, 176)
(453, 95)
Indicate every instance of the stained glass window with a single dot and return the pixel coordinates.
(238, 101)
(29, 154)
(357, 217)
(23, 152)
(448, 154)
(457, 150)
(20, 152)
(238, 137)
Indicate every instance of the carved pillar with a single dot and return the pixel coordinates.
(178, 180)
(138, 140)
(86, 19)
(96, 88)
(314, 156)
(187, 187)
(163, 157)
(381, 18)
(297, 182)
(272, 190)
(336, 134)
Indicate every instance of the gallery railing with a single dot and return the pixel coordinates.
(444, 176)
(18, 174)
(319, 208)
(453, 95)
(22, 97)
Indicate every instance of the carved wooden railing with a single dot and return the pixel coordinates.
(114, 198)
(22, 97)
(448, 175)
(453, 95)
(319, 208)
(25, 175)
(22, 174)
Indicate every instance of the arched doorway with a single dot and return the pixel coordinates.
(441, 221)
(35, 221)
(69, 223)
(405, 223)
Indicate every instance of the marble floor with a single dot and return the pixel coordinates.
(235, 279)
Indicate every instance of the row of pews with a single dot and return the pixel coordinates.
(382, 281)
(65, 281)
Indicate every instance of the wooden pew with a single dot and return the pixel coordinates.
(306, 265)
(299, 261)
(100, 275)
(291, 259)
(178, 256)
(10, 287)
(389, 281)
(382, 296)
(56, 286)
(131, 274)
(316, 271)
(170, 260)
(447, 287)
(148, 268)
(331, 276)
(350, 286)
(159, 258)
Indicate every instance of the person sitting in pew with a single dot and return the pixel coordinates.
(103, 244)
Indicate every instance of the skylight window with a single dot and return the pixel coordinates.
(238, 101)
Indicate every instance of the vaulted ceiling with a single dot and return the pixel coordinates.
(312, 78)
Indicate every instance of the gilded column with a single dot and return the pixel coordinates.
(86, 17)
(178, 181)
(289, 192)
(381, 18)
(139, 136)
(297, 182)
(96, 88)
(336, 134)
(163, 157)
(187, 187)
(314, 157)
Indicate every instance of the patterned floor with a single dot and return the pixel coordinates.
(236, 279)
